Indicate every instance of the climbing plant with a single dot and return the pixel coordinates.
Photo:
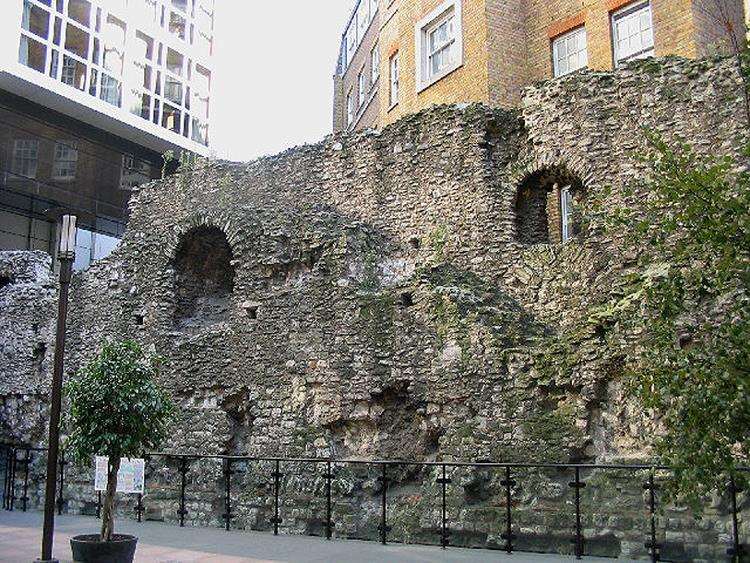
(691, 368)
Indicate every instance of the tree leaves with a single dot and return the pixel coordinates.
(693, 368)
(116, 407)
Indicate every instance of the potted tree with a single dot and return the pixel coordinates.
(116, 410)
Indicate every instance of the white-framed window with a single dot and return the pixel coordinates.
(66, 160)
(569, 52)
(439, 48)
(361, 88)
(394, 78)
(350, 108)
(566, 213)
(374, 64)
(633, 33)
(25, 157)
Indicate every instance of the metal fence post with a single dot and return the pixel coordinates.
(26, 463)
(9, 478)
(183, 473)
(328, 476)
(384, 527)
(98, 504)
(651, 545)
(139, 508)
(737, 550)
(444, 533)
(276, 484)
(508, 536)
(578, 540)
(227, 493)
(60, 500)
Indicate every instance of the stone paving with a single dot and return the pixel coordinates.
(20, 537)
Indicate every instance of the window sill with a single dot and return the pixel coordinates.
(423, 85)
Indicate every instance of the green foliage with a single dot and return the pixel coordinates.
(116, 407)
(693, 366)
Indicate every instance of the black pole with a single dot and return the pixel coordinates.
(651, 545)
(183, 473)
(329, 524)
(276, 483)
(139, 507)
(60, 500)
(6, 483)
(12, 498)
(578, 540)
(227, 493)
(98, 504)
(737, 550)
(384, 528)
(508, 535)
(66, 268)
(26, 463)
(444, 533)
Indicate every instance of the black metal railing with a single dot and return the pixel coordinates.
(17, 461)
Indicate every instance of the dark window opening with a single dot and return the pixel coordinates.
(204, 278)
(406, 300)
(546, 207)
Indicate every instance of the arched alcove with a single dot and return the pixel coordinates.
(204, 278)
(545, 206)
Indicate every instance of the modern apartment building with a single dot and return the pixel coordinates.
(415, 53)
(92, 94)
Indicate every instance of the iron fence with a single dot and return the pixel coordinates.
(17, 460)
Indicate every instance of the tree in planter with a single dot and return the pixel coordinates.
(116, 410)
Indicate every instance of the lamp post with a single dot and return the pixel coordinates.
(66, 255)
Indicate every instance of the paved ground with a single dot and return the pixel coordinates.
(20, 537)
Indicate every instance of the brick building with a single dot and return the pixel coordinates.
(400, 56)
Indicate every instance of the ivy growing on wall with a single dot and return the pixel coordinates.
(691, 308)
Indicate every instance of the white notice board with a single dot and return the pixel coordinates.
(130, 477)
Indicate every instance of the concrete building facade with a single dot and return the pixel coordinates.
(458, 51)
(92, 93)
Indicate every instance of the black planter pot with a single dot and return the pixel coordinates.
(88, 549)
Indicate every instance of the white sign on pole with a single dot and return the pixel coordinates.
(130, 477)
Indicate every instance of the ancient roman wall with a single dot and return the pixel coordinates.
(370, 296)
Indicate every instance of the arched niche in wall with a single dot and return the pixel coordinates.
(204, 278)
(546, 204)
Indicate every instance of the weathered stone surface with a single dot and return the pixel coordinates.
(369, 296)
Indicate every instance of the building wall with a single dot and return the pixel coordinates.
(507, 51)
(508, 44)
(719, 26)
(366, 114)
(468, 83)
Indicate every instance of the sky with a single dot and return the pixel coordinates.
(272, 83)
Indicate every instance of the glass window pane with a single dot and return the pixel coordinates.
(171, 118)
(175, 62)
(32, 54)
(173, 90)
(35, 19)
(80, 11)
(73, 73)
(77, 41)
(177, 25)
(110, 90)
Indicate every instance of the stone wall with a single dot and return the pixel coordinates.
(381, 304)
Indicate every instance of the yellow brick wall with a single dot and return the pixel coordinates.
(506, 49)
(674, 29)
(469, 83)
(507, 44)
